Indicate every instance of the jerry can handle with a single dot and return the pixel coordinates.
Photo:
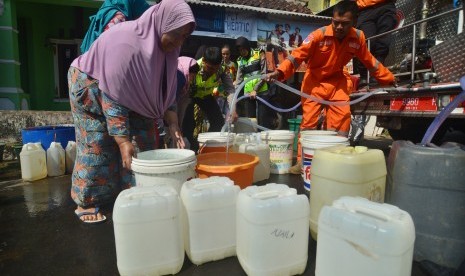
(372, 213)
(266, 194)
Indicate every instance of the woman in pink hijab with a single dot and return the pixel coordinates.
(118, 89)
(188, 67)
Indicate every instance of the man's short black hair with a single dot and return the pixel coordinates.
(212, 55)
(194, 68)
(346, 6)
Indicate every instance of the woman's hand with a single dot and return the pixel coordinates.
(126, 149)
(171, 118)
(176, 136)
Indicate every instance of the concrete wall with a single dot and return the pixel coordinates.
(12, 122)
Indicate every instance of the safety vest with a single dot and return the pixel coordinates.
(251, 67)
(204, 88)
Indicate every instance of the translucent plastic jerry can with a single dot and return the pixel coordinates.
(55, 160)
(70, 156)
(148, 231)
(272, 230)
(33, 161)
(209, 218)
(262, 170)
(358, 237)
(345, 171)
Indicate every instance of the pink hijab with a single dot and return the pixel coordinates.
(129, 63)
(184, 64)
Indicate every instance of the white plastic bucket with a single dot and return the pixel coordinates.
(215, 141)
(164, 166)
(309, 145)
(280, 143)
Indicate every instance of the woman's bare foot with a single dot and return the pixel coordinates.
(89, 214)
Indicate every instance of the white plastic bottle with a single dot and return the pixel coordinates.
(55, 160)
(33, 162)
(70, 156)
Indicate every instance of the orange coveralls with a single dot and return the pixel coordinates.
(368, 3)
(324, 78)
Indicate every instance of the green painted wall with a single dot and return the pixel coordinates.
(10, 76)
(39, 23)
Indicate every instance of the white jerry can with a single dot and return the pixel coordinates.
(209, 218)
(272, 230)
(70, 156)
(33, 161)
(358, 237)
(55, 159)
(148, 233)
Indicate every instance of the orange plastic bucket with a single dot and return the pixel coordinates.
(239, 167)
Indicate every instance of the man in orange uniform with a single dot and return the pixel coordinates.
(326, 51)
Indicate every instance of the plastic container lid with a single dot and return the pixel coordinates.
(164, 157)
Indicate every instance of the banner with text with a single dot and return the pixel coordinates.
(234, 24)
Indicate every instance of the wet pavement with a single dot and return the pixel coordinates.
(41, 235)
